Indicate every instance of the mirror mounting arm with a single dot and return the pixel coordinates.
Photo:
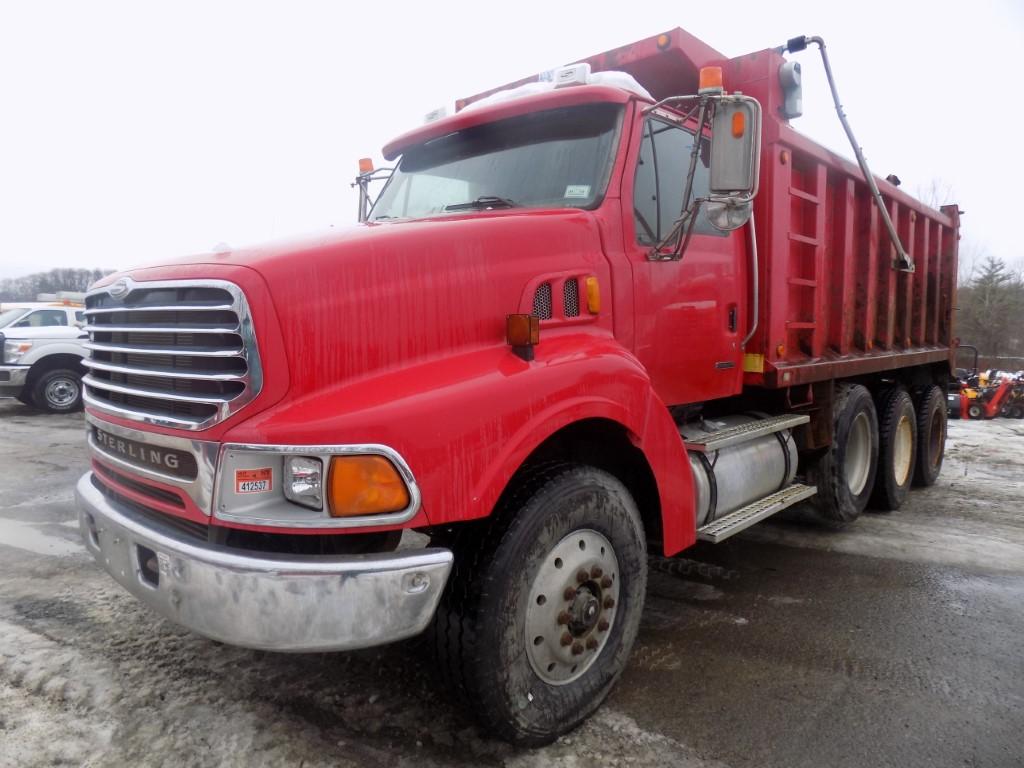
(687, 216)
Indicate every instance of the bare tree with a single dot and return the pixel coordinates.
(991, 305)
(28, 287)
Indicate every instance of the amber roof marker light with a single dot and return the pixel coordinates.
(710, 80)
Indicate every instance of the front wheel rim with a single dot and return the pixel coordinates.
(572, 606)
(61, 392)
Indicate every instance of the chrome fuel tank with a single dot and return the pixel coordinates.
(730, 478)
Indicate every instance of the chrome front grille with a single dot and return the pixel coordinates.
(174, 353)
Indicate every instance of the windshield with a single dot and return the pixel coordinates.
(8, 317)
(559, 158)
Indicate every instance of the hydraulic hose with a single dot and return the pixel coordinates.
(796, 44)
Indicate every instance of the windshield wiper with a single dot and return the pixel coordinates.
(483, 203)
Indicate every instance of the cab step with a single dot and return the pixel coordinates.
(743, 518)
(723, 438)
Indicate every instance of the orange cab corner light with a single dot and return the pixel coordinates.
(365, 484)
(710, 80)
(365, 165)
(593, 295)
(664, 41)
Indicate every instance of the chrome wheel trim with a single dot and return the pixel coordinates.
(61, 392)
(572, 605)
(857, 466)
(902, 450)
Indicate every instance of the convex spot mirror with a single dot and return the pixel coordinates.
(735, 158)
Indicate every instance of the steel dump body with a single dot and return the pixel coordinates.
(830, 302)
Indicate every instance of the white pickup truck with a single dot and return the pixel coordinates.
(43, 344)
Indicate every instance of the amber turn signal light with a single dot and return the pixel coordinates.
(739, 124)
(521, 333)
(521, 330)
(365, 485)
(365, 165)
(593, 295)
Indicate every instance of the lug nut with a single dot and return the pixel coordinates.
(582, 576)
(569, 594)
(564, 617)
(591, 643)
(602, 625)
(609, 602)
(566, 638)
(595, 572)
(606, 582)
(577, 648)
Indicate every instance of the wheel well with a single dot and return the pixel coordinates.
(605, 445)
(52, 362)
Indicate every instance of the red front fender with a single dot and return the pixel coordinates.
(466, 423)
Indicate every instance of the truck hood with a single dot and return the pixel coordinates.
(47, 332)
(380, 297)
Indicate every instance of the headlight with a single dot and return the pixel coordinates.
(303, 481)
(314, 486)
(15, 349)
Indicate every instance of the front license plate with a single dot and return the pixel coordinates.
(254, 480)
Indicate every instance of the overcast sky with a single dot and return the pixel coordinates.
(132, 132)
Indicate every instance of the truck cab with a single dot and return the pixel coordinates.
(597, 314)
(43, 346)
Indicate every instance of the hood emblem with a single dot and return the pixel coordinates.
(120, 289)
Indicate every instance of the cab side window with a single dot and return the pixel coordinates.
(43, 318)
(661, 180)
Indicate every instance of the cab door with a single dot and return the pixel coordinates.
(690, 313)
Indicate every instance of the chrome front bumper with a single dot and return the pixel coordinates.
(269, 602)
(13, 382)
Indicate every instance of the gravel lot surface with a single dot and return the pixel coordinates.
(898, 641)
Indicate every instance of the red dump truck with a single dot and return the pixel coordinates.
(593, 317)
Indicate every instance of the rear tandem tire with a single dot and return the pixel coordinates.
(845, 473)
(495, 637)
(931, 434)
(897, 449)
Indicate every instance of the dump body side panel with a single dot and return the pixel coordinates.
(831, 302)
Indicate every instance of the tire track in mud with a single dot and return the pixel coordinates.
(155, 694)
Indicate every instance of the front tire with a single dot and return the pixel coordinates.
(58, 391)
(543, 606)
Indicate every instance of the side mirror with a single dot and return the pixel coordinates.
(735, 161)
(736, 148)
